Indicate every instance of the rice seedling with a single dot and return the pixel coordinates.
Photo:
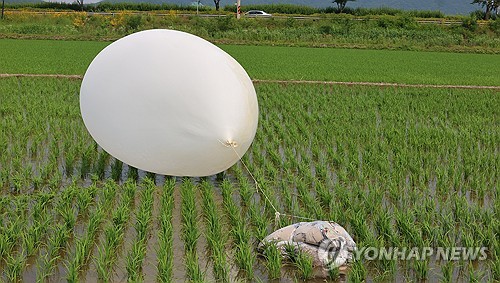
(134, 261)
(475, 276)
(165, 234)
(421, 268)
(84, 245)
(136, 255)
(304, 264)
(273, 260)
(116, 170)
(14, 266)
(259, 222)
(245, 258)
(190, 232)
(56, 242)
(357, 273)
(215, 238)
(86, 162)
(100, 167)
(193, 270)
(132, 173)
(447, 272)
(495, 269)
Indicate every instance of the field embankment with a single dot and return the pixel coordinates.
(402, 32)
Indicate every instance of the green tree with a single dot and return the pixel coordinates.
(490, 5)
(217, 4)
(80, 2)
(341, 4)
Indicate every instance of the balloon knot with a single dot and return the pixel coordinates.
(229, 143)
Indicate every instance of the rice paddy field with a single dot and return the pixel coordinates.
(397, 167)
(280, 63)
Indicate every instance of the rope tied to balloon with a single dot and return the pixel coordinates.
(233, 144)
(157, 119)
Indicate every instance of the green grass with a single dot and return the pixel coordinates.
(279, 63)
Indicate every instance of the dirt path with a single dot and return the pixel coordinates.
(381, 84)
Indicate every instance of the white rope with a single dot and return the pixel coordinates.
(277, 214)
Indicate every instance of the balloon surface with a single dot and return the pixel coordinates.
(169, 102)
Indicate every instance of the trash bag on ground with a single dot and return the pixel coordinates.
(328, 243)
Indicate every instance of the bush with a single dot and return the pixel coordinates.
(494, 26)
(133, 22)
(477, 14)
(226, 23)
(386, 22)
(326, 29)
(470, 24)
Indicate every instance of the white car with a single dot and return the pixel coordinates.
(257, 13)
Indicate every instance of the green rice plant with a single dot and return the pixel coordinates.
(259, 222)
(14, 267)
(190, 231)
(304, 265)
(116, 170)
(475, 275)
(246, 192)
(133, 261)
(231, 208)
(240, 233)
(136, 255)
(102, 264)
(221, 268)
(245, 258)
(214, 235)
(45, 267)
(114, 234)
(447, 271)
(109, 192)
(68, 215)
(151, 176)
(70, 159)
(165, 254)
(273, 260)
(84, 199)
(30, 239)
(56, 243)
(333, 273)
(100, 167)
(421, 268)
(132, 173)
(86, 162)
(359, 227)
(193, 270)
(357, 273)
(9, 236)
(82, 246)
(495, 269)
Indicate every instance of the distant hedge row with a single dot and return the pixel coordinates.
(306, 10)
(270, 8)
(106, 6)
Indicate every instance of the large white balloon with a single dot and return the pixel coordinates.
(169, 102)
